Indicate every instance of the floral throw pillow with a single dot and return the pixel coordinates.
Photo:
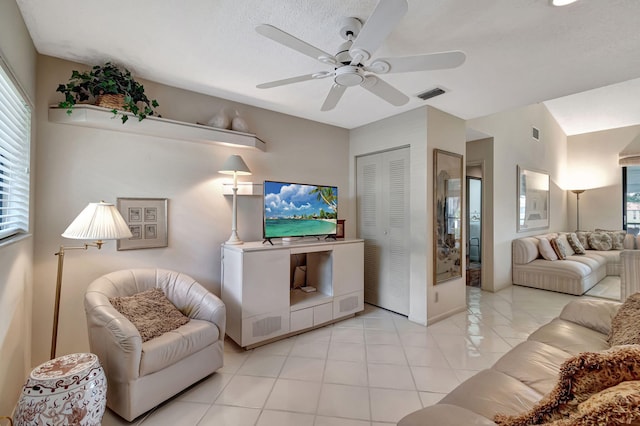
(617, 238)
(583, 236)
(558, 248)
(600, 241)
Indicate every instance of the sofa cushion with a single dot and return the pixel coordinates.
(594, 314)
(533, 363)
(525, 250)
(546, 250)
(490, 392)
(575, 243)
(570, 337)
(150, 312)
(629, 242)
(583, 237)
(175, 345)
(445, 415)
(600, 241)
(617, 237)
(625, 327)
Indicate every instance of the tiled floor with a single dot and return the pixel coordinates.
(370, 370)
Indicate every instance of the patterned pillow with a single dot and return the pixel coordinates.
(557, 247)
(564, 240)
(583, 236)
(625, 327)
(575, 243)
(617, 238)
(544, 246)
(600, 241)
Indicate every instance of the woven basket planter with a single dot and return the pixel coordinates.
(110, 101)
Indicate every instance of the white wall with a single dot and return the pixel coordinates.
(79, 165)
(513, 146)
(16, 258)
(422, 130)
(409, 128)
(593, 163)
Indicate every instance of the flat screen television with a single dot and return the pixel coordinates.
(299, 210)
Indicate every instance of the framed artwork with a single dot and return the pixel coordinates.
(533, 200)
(340, 228)
(147, 220)
(447, 215)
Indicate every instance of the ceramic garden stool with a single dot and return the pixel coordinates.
(68, 390)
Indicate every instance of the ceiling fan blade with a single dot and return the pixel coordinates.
(294, 43)
(291, 80)
(431, 61)
(384, 90)
(333, 97)
(384, 18)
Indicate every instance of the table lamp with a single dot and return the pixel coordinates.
(234, 166)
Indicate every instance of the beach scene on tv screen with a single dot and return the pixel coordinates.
(297, 210)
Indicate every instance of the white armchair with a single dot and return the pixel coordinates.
(142, 375)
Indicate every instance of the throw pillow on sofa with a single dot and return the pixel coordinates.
(600, 241)
(558, 248)
(545, 249)
(575, 243)
(564, 240)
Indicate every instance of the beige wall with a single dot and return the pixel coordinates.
(593, 161)
(79, 165)
(513, 146)
(16, 258)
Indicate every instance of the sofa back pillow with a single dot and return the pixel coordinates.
(600, 241)
(617, 238)
(583, 236)
(547, 252)
(629, 242)
(575, 243)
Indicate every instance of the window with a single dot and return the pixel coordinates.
(631, 199)
(15, 147)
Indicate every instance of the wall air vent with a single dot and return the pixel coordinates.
(535, 134)
(430, 93)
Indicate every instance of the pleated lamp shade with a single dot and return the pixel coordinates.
(98, 221)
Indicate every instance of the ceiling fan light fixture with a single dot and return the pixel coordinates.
(561, 2)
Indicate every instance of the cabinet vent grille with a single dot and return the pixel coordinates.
(348, 304)
(266, 326)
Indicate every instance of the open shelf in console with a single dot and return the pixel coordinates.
(318, 274)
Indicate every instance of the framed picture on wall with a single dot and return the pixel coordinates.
(533, 200)
(447, 215)
(147, 220)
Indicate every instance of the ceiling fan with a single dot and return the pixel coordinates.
(349, 64)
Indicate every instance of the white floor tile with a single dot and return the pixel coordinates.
(381, 337)
(430, 398)
(350, 335)
(309, 369)
(222, 415)
(207, 390)
(351, 402)
(429, 379)
(178, 412)
(390, 376)
(262, 365)
(391, 405)
(346, 373)
(342, 351)
(425, 357)
(386, 354)
(281, 418)
(246, 391)
(294, 395)
(311, 348)
(335, 421)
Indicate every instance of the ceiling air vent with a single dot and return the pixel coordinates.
(431, 93)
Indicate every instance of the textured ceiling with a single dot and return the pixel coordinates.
(519, 52)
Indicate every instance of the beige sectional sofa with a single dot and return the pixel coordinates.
(526, 373)
(574, 275)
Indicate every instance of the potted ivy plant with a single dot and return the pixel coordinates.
(109, 86)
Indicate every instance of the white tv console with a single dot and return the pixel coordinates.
(257, 287)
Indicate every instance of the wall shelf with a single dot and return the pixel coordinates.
(103, 118)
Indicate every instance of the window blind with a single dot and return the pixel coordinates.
(15, 148)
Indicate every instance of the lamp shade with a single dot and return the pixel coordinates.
(235, 164)
(98, 221)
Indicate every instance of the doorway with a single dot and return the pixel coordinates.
(474, 226)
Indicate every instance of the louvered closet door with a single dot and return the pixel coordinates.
(383, 222)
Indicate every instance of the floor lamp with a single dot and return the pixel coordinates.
(577, 192)
(235, 166)
(98, 221)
